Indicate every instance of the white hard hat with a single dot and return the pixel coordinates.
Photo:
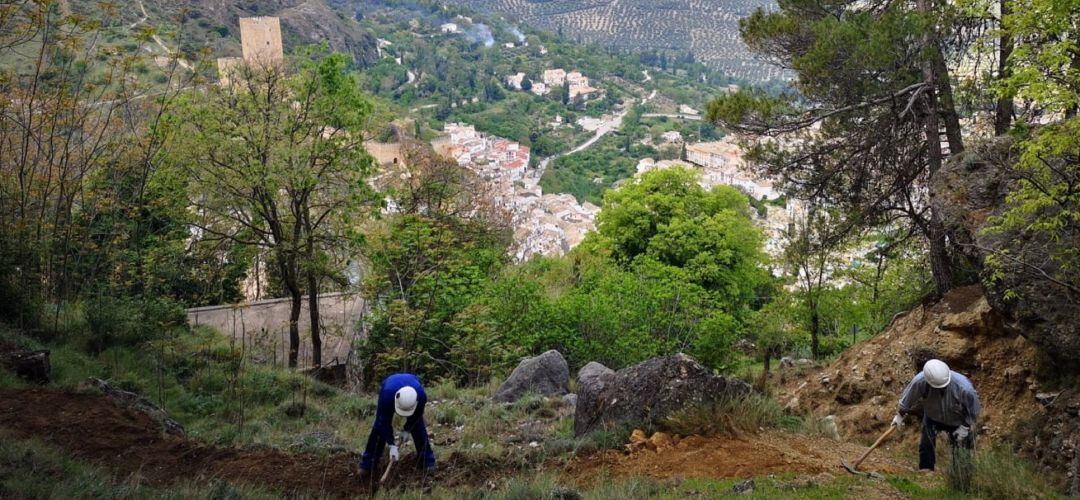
(937, 373)
(405, 401)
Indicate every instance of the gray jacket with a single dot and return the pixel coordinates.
(956, 404)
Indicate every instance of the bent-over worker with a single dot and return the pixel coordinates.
(401, 394)
(949, 403)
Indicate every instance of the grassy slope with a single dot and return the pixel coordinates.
(202, 387)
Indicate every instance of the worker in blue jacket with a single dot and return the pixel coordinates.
(400, 393)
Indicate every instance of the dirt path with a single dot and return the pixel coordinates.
(770, 452)
(131, 444)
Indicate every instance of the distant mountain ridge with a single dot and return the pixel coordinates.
(214, 24)
(709, 29)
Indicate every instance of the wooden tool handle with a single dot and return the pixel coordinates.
(887, 433)
(387, 473)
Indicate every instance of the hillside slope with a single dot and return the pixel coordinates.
(214, 24)
(862, 386)
(709, 29)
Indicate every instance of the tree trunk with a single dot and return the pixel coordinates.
(313, 308)
(940, 260)
(1004, 110)
(815, 327)
(292, 287)
(947, 107)
(940, 264)
(294, 325)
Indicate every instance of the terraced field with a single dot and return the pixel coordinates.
(708, 28)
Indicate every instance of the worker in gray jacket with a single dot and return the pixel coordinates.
(949, 403)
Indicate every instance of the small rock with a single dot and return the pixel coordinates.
(534, 444)
(638, 440)
(830, 428)
(1046, 398)
(743, 488)
(662, 440)
(570, 399)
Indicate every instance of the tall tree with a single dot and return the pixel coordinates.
(876, 117)
(276, 161)
(810, 256)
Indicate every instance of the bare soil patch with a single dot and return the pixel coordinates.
(768, 452)
(133, 446)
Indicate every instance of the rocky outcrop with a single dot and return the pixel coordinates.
(1052, 436)
(214, 24)
(594, 377)
(135, 402)
(862, 386)
(546, 375)
(648, 392)
(968, 192)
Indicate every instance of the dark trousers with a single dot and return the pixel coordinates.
(927, 446)
(376, 445)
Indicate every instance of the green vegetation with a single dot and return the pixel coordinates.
(672, 268)
(614, 158)
(291, 183)
(733, 415)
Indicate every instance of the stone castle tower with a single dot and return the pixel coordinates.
(260, 38)
(260, 41)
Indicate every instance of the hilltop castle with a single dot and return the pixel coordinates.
(260, 42)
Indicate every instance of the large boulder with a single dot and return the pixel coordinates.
(594, 376)
(649, 392)
(968, 192)
(546, 374)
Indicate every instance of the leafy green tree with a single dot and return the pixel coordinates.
(666, 216)
(79, 160)
(811, 256)
(428, 263)
(276, 161)
(1044, 66)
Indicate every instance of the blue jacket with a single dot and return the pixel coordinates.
(956, 404)
(384, 412)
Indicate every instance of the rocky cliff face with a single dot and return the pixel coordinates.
(862, 387)
(215, 24)
(968, 191)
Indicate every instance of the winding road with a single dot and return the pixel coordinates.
(607, 125)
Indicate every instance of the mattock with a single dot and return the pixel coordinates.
(854, 468)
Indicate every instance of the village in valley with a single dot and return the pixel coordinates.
(550, 224)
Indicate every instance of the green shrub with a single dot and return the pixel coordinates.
(127, 321)
(1000, 474)
(726, 416)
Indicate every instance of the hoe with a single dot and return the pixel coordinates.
(854, 468)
